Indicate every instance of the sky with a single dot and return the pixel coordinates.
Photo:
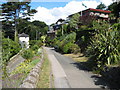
(49, 11)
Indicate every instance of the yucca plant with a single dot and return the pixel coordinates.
(105, 47)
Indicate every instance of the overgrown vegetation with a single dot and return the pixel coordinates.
(9, 49)
(44, 78)
(33, 50)
(27, 54)
(32, 56)
(25, 67)
(66, 43)
(105, 47)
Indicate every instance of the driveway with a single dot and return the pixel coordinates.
(74, 77)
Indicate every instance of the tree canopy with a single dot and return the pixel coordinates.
(12, 12)
(115, 8)
(101, 6)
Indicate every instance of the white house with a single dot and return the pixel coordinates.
(24, 40)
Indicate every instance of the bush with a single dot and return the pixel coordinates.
(65, 43)
(49, 41)
(105, 48)
(9, 48)
(32, 42)
(74, 48)
(37, 42)
(25, 66)
(66, 48)
(27, 54)
(35, 48)
(70, 38)
(71, 48)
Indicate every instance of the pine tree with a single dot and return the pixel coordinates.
(101, 6)
(12, 12)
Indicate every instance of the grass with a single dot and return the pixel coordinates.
(34, 62)
(44, 78)
(77, 57)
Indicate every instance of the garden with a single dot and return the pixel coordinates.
(32, 56)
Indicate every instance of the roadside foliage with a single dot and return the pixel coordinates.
(105, 47)
(9, 49)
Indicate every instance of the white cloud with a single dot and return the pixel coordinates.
(50, 16)
(106, 2)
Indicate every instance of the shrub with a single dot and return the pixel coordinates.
(9, 48)
(57, 44)
(74, 48)
(66, 44)
(71, 48)
(35, 48)
(48, 41)
(105, 48)
(32, 42)
(39, 43)
(27, 54)
(66, 48)
(70, 38)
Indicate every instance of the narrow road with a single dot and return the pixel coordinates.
(60, 78)
(75, 77)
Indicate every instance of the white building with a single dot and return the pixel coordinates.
(24, 40)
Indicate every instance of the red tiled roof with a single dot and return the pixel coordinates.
(98, 10)
(91, 9)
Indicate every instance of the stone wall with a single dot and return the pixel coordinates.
(32, 78)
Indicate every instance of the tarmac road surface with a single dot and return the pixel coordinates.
(65, 73)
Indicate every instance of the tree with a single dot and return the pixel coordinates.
(61, 25)
(34, 29)
(101, 6)
(115, 8)
(43, 28)
(12, 12)
(74, 21)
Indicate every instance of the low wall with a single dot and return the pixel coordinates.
(32, 78)
(15, 55)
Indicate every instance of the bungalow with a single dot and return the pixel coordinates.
(98, 13)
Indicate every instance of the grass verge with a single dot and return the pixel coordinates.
(44, 77)
(77, 57)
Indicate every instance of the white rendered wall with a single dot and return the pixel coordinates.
(100, 14)
(24, 40)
